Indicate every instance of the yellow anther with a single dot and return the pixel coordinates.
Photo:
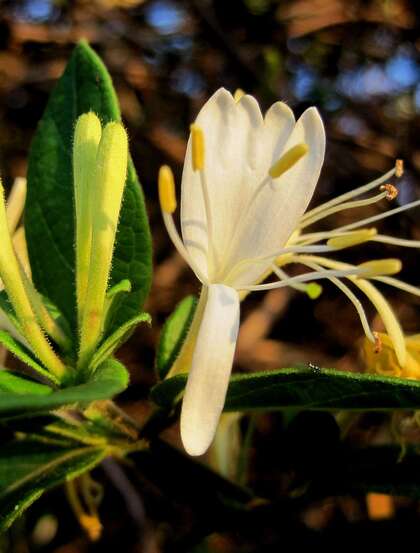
(353, 239)
(381, 267)
(288, 160)
(314, 290)
(197, 137)
(238, 94)
(399, 168)
(391, 191)
(167, 195)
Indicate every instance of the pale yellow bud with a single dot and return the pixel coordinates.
(109, 180)
(87, 135)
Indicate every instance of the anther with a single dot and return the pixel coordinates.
(238, 94)
(353, 239)
(288, 160)
(399, 168)
(391, 190)
(166, 183)
(380, 267)
(197, 137)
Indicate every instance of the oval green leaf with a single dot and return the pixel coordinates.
(49, 217)
(305, 388)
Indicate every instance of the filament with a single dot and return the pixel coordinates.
(179, 245)
(348, 195)
(306, 221)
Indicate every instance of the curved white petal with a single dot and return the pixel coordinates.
(275, 214)
(210, 371)
(239, 149)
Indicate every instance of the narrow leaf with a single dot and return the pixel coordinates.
(113, 342)
(28, 469)
(22, 353)
(306, 388)
(173, 335)
(13, 384)
(109, 379)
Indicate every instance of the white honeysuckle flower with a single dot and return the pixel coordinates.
(246, 184)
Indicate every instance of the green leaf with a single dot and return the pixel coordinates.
(13, 384)
(110, 344)
(173, 334)
(306, 388)
(49, 218)
(27, 469)
(109, 379)
(8, 310)
(22, 353)
(113, 300)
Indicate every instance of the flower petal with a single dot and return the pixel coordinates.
(276, 211)
(210, 371)
(239, 148)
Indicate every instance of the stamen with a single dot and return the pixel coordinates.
(380, 267)
(385, 311)
(198, 156)
(302, 278)
(238, 94)
(313, 289)
(288, 160)
(179, 245)
(166, 183)
(378, 217)
(392, 191)
(348, 195)
(275, 255)
(399, 168)
(352, 297)
(401, 285)
(352, 239)
(197, 149)
(306, 221)
(397, 241)
(388, 317)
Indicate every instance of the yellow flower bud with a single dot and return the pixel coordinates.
(108, 187)
(87, 135)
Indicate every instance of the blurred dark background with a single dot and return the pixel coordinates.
(357, 61)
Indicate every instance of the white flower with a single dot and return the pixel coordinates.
(246, 184)
(233, 211)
